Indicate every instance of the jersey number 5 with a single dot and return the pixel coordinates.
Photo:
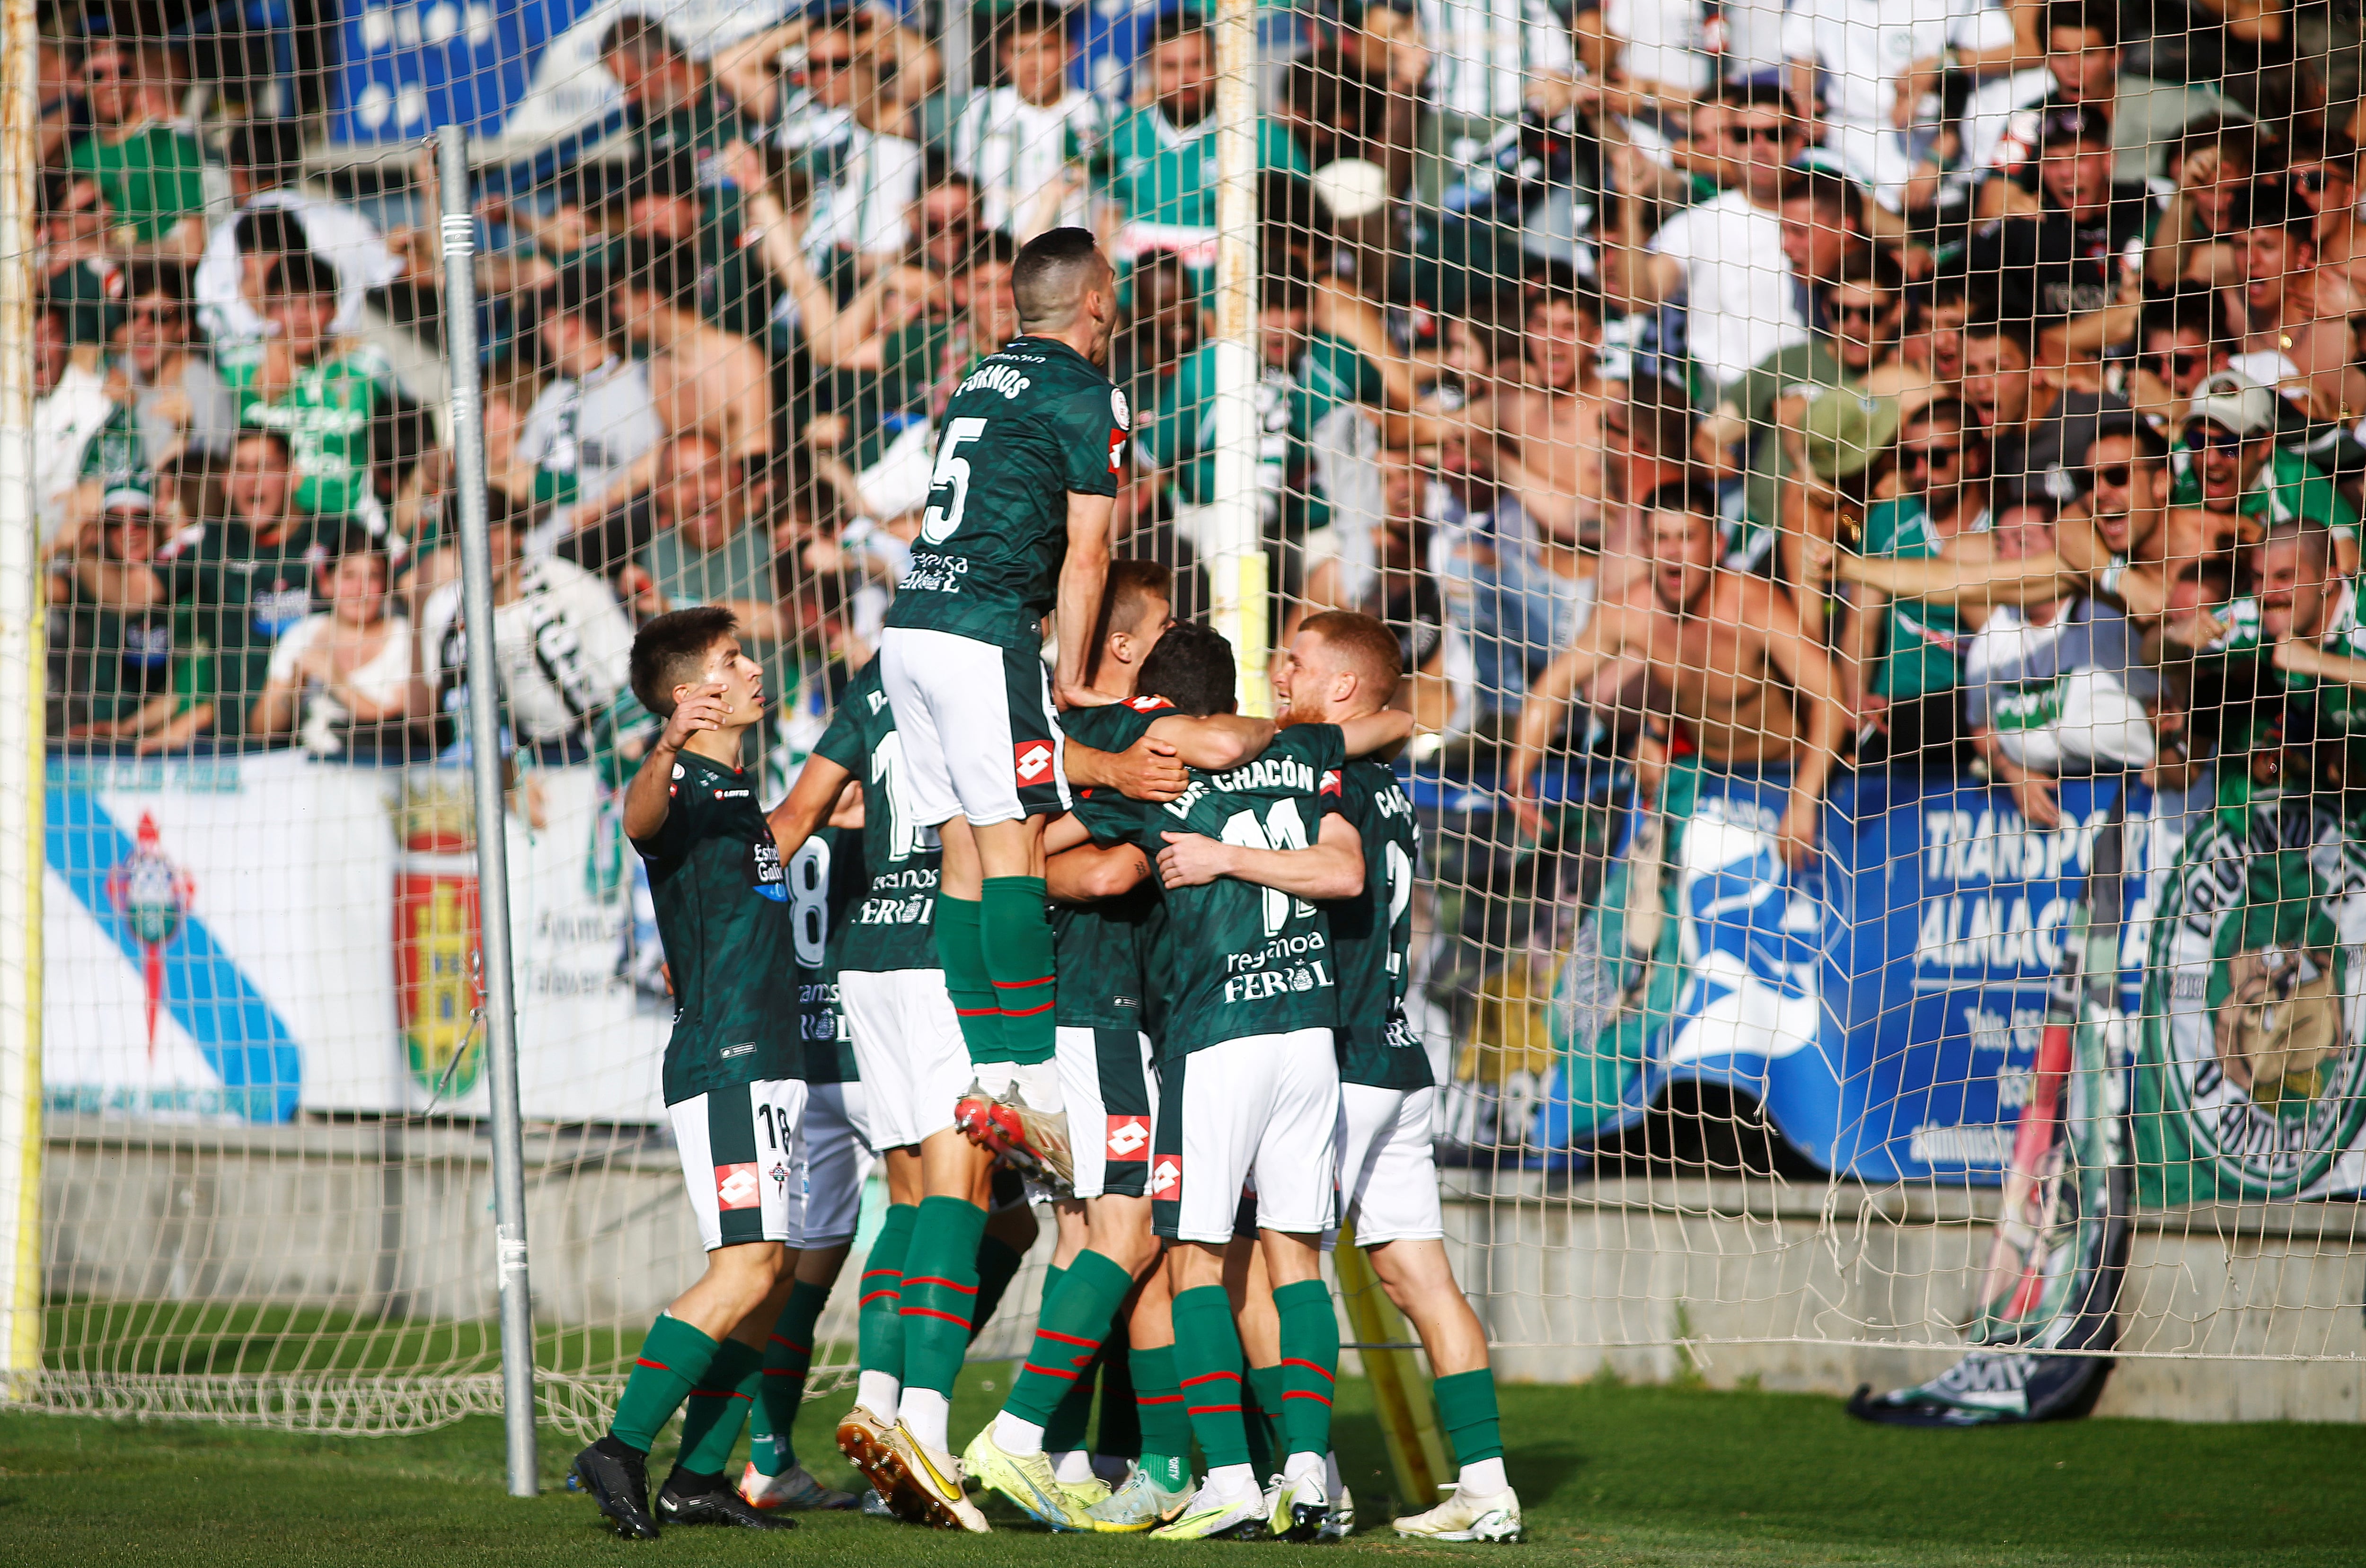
(937, 525)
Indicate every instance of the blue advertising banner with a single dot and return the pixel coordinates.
(409, 67)
(1884, 1007)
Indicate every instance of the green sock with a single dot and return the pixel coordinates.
(939, 1291)
(879, 1322)
(1166, 1425)
(961, 949)
(1017, 942)
(1072, 1415)
(997, 1265)
(788, 1355)
(1207, 1357)
(1310, 1365)
(718, 1407)
(1465, 1408)
(1119, 1432)
(1264, 1418)
(672, 1360)
(1075, 1318)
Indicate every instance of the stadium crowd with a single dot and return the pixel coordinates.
(2001, 358)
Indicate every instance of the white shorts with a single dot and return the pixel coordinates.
(833, 1166)
(1388, 1172)
(1263, 1109)
(740, 1153)
(980, 736)
(907, 1046)
(1112, 1098)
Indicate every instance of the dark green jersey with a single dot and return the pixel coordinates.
(243, 595)
(1097, 947)
(895, 925)
(824, 878)
(1233, 959)
(723, 915)
(1374, 935)
(1034, 423)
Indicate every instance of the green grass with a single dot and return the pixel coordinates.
(1609, 1475)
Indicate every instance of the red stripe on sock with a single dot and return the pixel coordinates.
(1294, 1361)
(1213, 1409)
(931, 1311)
(1068, 1338)
(1158, 1399)
(645, 1362)
(1212, 1377)
(882, 1273)
(1027, 1012)
(784, 1339)
(1047, 1371)
(783, 1372)
(977, 1012)
(1300, 1393)
(1022, 985)
(948, 1284)
(861, 1302)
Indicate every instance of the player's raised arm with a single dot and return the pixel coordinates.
(1331, 867)
(1081, 576)
(820, 783)
(695, 709)
(1375, 732)
(1219, 742)
(1147, 770)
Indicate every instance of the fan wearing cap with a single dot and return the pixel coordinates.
(125, 678)
(2226, 461)
(2063, 259)
(2294, 325)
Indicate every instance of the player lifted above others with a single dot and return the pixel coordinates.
(1016, 526)
(734, 1069)
(1340, 668)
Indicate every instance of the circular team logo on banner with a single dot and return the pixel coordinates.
(2256, 1006)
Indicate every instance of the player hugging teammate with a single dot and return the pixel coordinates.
(1104, 932)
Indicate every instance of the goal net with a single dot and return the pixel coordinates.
(1867, 495)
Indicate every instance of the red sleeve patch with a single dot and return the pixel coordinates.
(1330, 781)
(1117, 451)
(1148, 705)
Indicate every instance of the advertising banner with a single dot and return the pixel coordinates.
(256, 937)
(1884, 1007)
(2252, 1082)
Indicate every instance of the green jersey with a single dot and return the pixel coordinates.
(895, 925)
(1373, 932)
(2255, 722)
(152, 180)
(704, 126)
(241, 596)
(1233, 959)
(1181, 438)
(1921, 645)
(326, 418)
(1097, 947)
(1033, 423)
(1168, 176)
(117, 453)
(2287, 485)
(723, 915)
(824, 878)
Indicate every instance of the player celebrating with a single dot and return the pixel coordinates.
(1344, 666)
(731, 1072)
(1104, 1061)
(1249, 1087)
(1018, 523)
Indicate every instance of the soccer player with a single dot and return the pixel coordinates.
(1344, 666)
(824, 877)
(1018, 523)
(1104, 1061)
(731, 1078)
(1249, 1085)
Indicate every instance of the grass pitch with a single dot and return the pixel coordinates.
(1609, 1475)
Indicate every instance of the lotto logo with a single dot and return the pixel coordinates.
(1031, 759)
(1330, 781)
(1129, 1137)
(1117, 451)
(737, 1186)
(1167, 1178)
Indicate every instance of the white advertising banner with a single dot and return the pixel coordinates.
(258, 937)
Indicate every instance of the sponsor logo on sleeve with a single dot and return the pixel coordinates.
(1166, 1179)
(1148, 705)
(1031, 761)
(1117, 451)
(1129, 1137)
(1330, 781)
(738, 1186)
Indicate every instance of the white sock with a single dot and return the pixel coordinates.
(1039, 1082)
(1231, 1484)
(924, 1413)
(1304, 1467)
(993, 1077)
(877, 1392)
(1015, 1435)
(1482, 1478)
(1074, 1467)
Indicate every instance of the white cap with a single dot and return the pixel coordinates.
(2235, 403)
(1351, 188)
